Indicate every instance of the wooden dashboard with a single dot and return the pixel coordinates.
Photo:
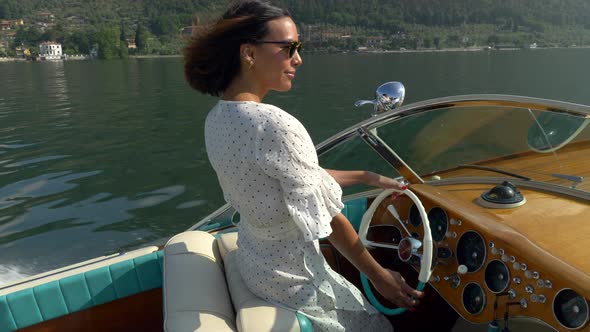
(534, 261)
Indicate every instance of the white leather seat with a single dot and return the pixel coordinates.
(195, 292)
(252, 313)
(197, 272)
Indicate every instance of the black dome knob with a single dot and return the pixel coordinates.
(504, 193)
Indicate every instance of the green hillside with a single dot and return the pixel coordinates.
(157, 25)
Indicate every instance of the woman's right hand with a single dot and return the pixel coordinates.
(393, 287)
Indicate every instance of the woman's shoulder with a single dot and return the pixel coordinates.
(276, 116)
(261, 115)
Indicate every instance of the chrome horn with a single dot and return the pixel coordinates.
(388, 96)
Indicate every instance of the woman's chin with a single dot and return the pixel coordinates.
(284, 87)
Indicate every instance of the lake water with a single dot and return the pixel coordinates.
(98, 157)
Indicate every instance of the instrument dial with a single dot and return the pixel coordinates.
(474, 298)
(497, 276)
(570, 309)
(471, 251)
(415, 218)
(439, 223)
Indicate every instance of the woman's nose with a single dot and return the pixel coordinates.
(296, 60)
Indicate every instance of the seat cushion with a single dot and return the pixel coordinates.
(195, 291)
(253, 313)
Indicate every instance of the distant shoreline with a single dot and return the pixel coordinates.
(422, 50)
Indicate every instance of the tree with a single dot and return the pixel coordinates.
(123, 35)
(141, 37)
(108, 43)
(27, 36)
(437, 42)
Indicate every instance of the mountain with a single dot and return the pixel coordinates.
(335, 24)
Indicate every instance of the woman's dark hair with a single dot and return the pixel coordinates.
(212, 57)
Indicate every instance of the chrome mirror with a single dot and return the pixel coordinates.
(388, 97)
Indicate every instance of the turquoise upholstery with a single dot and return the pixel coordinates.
(354, 210)
(78, 292)
(304, 323)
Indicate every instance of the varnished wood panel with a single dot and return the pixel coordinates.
(527, 233)
(139, 312)
(557, 224)
(573, 159)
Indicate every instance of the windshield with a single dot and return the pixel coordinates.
(544, 146)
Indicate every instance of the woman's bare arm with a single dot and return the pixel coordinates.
(349, 178)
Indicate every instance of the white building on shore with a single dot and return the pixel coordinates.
(50, 51)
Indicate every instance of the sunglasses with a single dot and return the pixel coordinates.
(290, 46)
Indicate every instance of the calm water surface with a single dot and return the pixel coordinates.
(102, 156)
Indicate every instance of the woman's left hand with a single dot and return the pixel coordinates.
(377, 180)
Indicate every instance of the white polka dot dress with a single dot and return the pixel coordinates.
(268, 169)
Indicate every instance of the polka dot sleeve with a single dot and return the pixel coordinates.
(285, 152)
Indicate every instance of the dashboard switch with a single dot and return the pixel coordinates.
(462, 269)
(512, 293)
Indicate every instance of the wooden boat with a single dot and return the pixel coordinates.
(502, 183)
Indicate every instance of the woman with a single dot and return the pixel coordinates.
(268, 169)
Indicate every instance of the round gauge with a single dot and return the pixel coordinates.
(438, 223)
(415, 218)
(444, 253)
(471, 251)
(474, 299)
(570, 309)
(497, 276)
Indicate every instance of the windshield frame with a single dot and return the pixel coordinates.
(364, 130)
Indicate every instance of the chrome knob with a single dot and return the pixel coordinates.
(462, 269)
(512, 293)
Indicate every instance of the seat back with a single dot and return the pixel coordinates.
(252, 312)
(195, 291)
(198, 271)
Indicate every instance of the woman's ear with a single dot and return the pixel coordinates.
(247, 52)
